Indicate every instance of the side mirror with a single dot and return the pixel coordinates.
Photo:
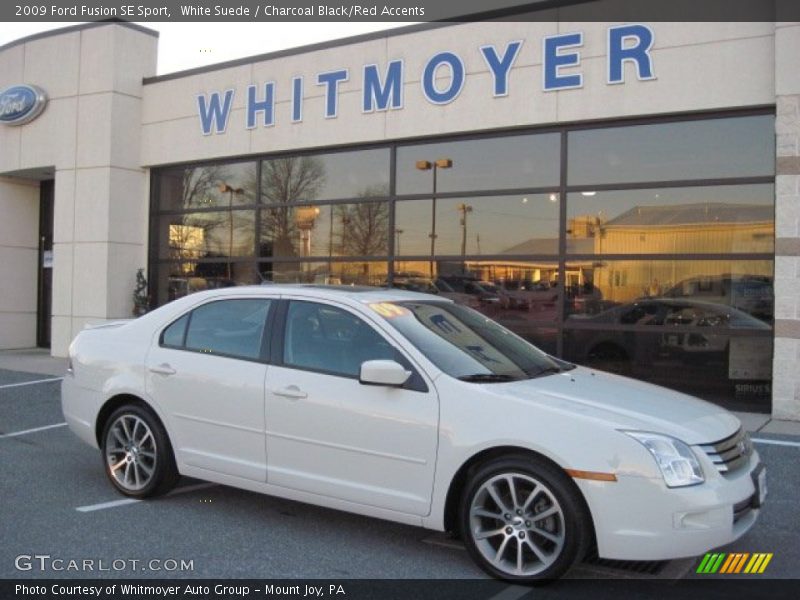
(383, 372)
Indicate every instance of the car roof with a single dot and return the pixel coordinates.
(359, 294)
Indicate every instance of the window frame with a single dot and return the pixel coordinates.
(416, 382)
(266, 333)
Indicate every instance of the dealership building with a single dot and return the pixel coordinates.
(623, 195)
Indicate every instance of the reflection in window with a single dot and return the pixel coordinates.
(323, 338)
(512, 225)
(707, 362)
(596, 290)
(360, 174)
(228, 327)
(709, 149)
(213, 186)
(510, 162)
(692, 220)
(175, 280)
(372, 273)
(215, 234)
(358, 229)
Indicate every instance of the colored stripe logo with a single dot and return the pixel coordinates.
(735, 562)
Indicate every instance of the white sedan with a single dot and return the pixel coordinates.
(412, 408)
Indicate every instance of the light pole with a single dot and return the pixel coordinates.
(426, 165)
(464, 209)
(397, 233)
(225, 188)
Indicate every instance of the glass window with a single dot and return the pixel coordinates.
(518, 224)
(211, 186)
(215, 234)
(176, 280)
(323, 338)
(372, 273)
(173, 335)
(603, 291)
(358, 229)
(465, 344)
(713, 148)
(692, 220)
(360, 174)
(229, 327)
(511, 162)
(703, 360)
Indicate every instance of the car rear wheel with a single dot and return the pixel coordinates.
(523, 520)
(137, 455)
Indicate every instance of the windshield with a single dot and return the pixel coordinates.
(465, 344)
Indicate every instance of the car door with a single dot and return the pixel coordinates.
(330, 435)
(206, 372)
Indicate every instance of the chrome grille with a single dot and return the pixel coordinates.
(731, 453)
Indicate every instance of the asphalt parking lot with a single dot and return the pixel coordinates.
(57, 502)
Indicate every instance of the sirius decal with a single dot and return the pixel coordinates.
(443, 77)
(20, 104)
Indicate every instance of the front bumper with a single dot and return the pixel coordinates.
(639, 518)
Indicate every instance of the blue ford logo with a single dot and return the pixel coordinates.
(20, 104)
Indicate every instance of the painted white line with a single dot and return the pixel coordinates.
(34, 430)
(112, 504)
(12, 385)
(775, 442)
(125, 501)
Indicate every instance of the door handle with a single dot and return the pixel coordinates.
(163, 369)
(292, 391)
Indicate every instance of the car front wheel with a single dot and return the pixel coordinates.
(523, 520)
(137, 454)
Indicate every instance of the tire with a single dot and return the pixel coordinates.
(137, 456)
(502, 531)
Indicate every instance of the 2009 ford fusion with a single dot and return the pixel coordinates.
(412, 408)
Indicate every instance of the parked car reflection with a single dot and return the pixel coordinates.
(702, 335)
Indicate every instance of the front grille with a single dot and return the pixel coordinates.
(731, 453)
(742, 509)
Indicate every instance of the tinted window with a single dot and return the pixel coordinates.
(691, 220)
(230, 327)
(463, 343)
(358, 229)
(359, 174)
(510, 162)
(191, 188)
(324, 338)
(518, 224)
(735, 147)
(173, 335)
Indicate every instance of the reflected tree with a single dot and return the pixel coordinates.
(365, 226)
(285, 181)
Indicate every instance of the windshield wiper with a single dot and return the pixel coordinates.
(487, 378)
(546, 371)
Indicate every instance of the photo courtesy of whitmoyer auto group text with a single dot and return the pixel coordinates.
(401, 299)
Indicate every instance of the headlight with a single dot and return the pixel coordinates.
(675, 459)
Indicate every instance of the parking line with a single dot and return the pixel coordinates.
(11, 385)
(34, 430)
(775, 442)
(125, 501)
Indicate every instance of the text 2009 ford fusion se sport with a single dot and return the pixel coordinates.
(411, 408)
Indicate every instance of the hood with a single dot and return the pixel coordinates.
(625, 404)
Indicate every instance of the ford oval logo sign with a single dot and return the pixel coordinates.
(21, 104)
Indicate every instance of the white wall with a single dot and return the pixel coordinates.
(19, 248)
(89, 133)
(698, 66)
